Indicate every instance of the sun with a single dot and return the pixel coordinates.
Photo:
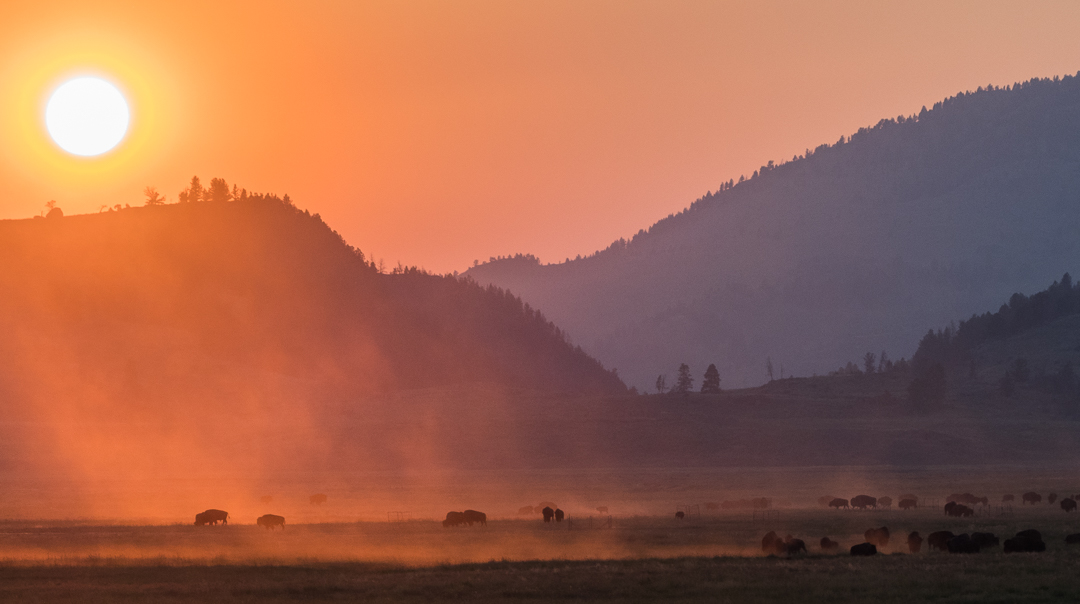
(87, 116)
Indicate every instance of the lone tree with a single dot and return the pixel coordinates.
(153, 198)
(684, 384)
(661, 383)
(711, 383)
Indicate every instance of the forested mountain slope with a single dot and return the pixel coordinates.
(856, 246)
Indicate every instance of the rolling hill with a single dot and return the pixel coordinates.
(852, 247)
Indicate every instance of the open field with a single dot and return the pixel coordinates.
(715, 558)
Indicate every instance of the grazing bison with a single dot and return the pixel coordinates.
(863, 501)
(985, 540)
(1030, 534)
(885, 502)
(1068, 504)
(772, 544)
(548, 514)
(525, 510)
(863, 549)
(270, 521)
(1024, 543)
(794, 546)
(962, 544)
(1008, 498)
(472, 516)
(838, 503)
(914, 542)
(828, 545)
(603, 509)
(680, 515)
(267, 498)
(317, 499)
(1073, 539)
(939, 540)
(958, 510)
(211, 517)
(1051, 498)
(1031, 497)
(877, 536)
(559, 515)
(454, 519)
(908, 504)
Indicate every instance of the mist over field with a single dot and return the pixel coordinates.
(860, 245)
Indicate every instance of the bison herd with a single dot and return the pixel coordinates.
(1029, 540)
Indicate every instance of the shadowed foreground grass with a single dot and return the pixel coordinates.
(992, 577)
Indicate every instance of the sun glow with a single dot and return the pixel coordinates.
(87, 116)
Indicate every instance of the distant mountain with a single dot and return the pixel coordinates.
(855, 246)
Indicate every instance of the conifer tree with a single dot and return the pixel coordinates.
(711, 383)
(684, 384)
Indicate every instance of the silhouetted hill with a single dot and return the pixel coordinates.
(854, 246)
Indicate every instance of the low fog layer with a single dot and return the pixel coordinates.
(857, 246)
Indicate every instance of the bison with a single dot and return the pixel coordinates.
(863, 501)
(1023, 544)
(1068, 504)
(863, 549)
(838, 503)
(907, 504)
(548, 514)
(962, 544)
(885, 502)
(1073, 539)
(914, 542)
(270, 521)
(454, 519)
(828, 545)
(958, 510)
(559, 515)
(909, 496)
(877, 536)
(317, 499)
(680, 515)
(1030, 534)
(471, 516)
(211, 517)
(772, 544)
(1031, 497)
(794, 546)
(939, 540)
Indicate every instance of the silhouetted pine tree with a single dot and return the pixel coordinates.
(684, 384)
(711, 383)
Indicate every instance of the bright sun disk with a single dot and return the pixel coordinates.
(87, 116)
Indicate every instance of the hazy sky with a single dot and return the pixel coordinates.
(436, 133)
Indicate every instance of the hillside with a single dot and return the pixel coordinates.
(166, 336)
(854, 246)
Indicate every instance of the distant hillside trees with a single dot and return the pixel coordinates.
(711, 382)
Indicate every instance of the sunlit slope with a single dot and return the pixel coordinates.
(856, 247)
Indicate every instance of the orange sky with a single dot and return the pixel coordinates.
(436, 133)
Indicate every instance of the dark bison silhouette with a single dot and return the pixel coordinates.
(211, 517)
(1051, 498)
(884, 502)
(1008, 498)
(914, 542)
(828, 545)
(939, 540)
(967, 498)
(772, 544)
(1031, 497)
(838, 503)
(863, 501)
(962, 544)
(1024, 542)
(985, 540)
(1068, 504)
(958, 510)
(877, 536)
(680, 515)
(794, 546)
(454, 519)
(863, 549)
(548, 514)
(1073, 539)
(908, 504)
(909, 496)
(559, 515)
(471, 516)
(317, 499)
(270, 521)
